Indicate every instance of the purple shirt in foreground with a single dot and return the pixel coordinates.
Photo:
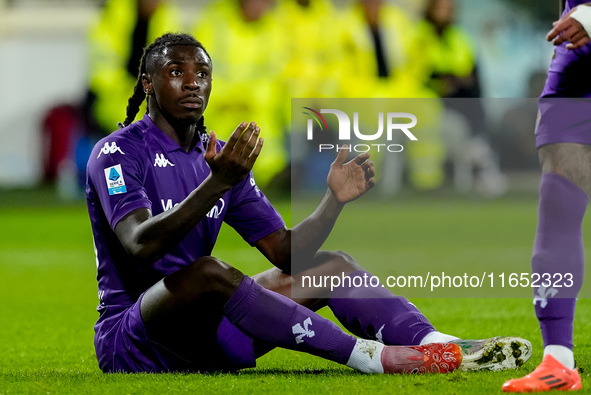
(141, 167)
(564, 102)
(569, 72)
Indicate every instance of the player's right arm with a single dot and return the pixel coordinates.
(574, 26)
(147, 238)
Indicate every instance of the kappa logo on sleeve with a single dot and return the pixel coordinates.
(115, 180)
(110, 149)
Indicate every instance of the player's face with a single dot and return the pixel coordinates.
(181, 82)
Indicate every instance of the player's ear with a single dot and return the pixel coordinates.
(147, 83)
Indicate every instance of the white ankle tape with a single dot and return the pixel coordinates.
(582, 14)
(367, 356)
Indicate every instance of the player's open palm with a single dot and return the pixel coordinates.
(350, 180)
(237, 157)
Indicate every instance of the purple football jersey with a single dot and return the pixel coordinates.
(564, 103)
(570, 4)
(141, 167)
(568, 75)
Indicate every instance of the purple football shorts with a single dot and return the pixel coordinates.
(565, 104)
(563, 120)
(122, 344)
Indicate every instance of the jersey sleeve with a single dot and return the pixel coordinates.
(114, 175)
(250, 213)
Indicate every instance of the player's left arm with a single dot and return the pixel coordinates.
(575, 27)
(346, 182)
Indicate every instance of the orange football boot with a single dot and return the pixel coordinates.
(550, 375)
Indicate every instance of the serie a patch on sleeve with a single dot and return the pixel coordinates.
(115, 180)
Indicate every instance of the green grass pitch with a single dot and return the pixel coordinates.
(48, 297)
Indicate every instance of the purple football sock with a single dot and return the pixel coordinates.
(375, 313)
(269, 316)
(558, 257)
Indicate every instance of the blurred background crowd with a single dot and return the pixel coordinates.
(67, 69)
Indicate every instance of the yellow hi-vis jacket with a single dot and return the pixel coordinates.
(109, 44)
(452, 53)
(246, 57)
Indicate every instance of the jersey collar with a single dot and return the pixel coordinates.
(167, 144)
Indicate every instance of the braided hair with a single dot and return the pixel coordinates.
(147, 62)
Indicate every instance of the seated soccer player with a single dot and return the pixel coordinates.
(158, 191)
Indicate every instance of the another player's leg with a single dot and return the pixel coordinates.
(558, 252)
(375, 313)
(183, 313)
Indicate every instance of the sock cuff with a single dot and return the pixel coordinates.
(366, 356)
(434, 336)
(242, 300)
(562, 205)
(564, 185)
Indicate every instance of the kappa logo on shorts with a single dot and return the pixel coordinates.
(303, 331)
(115, 180)
(110, 149)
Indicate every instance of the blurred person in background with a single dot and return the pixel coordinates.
(313, 53)
(444, 55)
(312, 68)
(115, 45)
(379, 51)
(241, 35)
(444, 58)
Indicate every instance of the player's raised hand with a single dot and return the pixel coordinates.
(350, 180)
(233, 162)
(570, 29)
